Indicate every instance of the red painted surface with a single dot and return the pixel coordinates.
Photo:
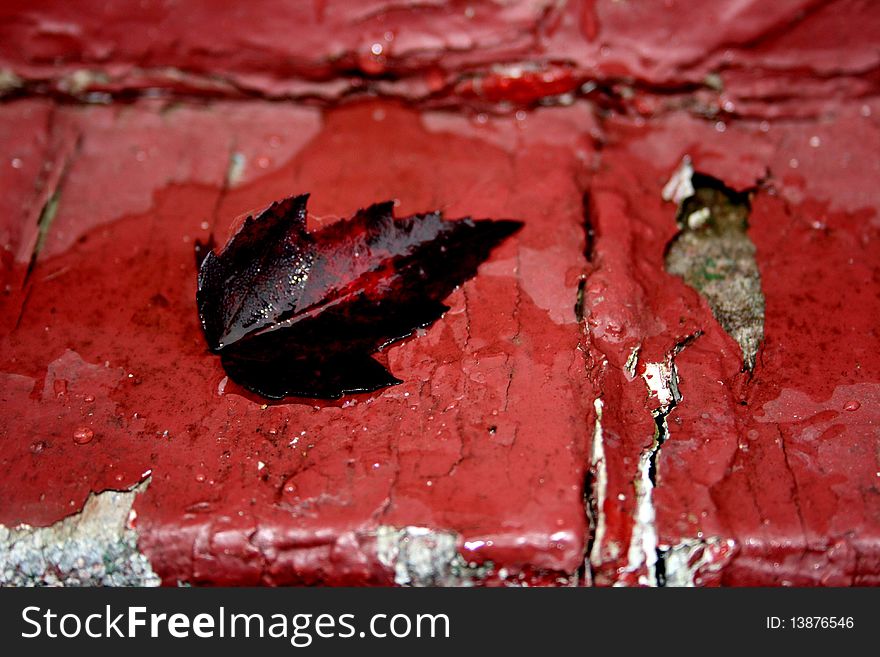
(485, 437)
(783, 462)
(775, 474)
(512, 52)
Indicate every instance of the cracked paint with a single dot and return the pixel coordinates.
(691, 562)
(598, 491)
(420, 556)
(485, 402)
(95, 547)
(661, 380)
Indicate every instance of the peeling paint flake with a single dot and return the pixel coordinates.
(95, 547)
(680, 186)
(420, 556)
(688, 562)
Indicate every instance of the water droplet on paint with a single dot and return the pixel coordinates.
(88, 399)
(200, 477)
(288, 490)
(852, 405)
(37, 446)
(83, 435)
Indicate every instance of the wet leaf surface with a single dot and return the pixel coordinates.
(294, 312)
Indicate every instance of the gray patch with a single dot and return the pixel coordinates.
(426, 557)
(92, 548)
(714, 255)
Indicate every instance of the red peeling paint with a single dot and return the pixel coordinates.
(485, 437)
(771, 461)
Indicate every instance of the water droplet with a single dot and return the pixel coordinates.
(482, 118)
(38, 446)
(376, 49)
(288, 490)
(83, 435)
(852, 405)
(815, 142)
(88, 399)
(200, 477)
(793, 163)
(521, 115)
(263, 162)
(720, 126)
(16, 163)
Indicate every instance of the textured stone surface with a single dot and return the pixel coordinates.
(92, 548)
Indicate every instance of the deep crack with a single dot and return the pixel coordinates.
(644, 550)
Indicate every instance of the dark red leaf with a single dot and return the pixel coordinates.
(298, 313)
